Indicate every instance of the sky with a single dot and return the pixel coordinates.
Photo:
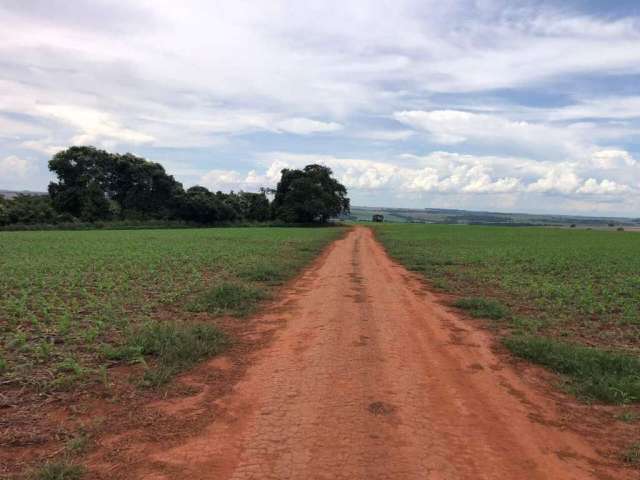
(472, 104)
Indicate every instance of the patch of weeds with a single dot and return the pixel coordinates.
(129, 352)
(18, 341)
(70, 365)
(526, 325)
(77, 444)
(262, 273)
(482, 307)
(632, 454)
(592, 373)
(441, 285)
(68, 373)
(175, 347)
(628, 416)
(228, 297)
(58, 471)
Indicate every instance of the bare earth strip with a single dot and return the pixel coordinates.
(370, 378)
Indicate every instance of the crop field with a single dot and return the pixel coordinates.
(75, 303)
(554, 290)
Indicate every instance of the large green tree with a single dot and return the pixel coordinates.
(97, 185)
(142, 188)
(309, 195)
(83, 175)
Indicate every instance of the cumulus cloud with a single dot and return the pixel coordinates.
(611, 159)
(442, 173)
(591, 186)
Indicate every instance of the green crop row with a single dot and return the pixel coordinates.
(69, 300)
(547, 285)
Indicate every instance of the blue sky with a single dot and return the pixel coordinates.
(486, 104)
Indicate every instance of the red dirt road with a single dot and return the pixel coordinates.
(370, 378)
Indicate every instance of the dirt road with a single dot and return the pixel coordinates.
(371, 378)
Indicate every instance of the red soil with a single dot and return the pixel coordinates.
(367, 376)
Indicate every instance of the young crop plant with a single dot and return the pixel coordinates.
(591, 373)
(76, 302)
(578, 285)
(482, 307)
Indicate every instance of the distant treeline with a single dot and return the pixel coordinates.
(95, 186)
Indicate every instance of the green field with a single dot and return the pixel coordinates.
(578, 286)
(73, 303)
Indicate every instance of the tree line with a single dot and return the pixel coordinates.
(98, 186)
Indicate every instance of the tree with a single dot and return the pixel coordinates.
(200, 205)
(4, 211)
(83, 173)
(142, 188)
(96, 185)
(309, 195)
(254, 206)
(28, 209)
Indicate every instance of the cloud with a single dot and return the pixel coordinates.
(450, 173)
(14, 167)
(451, 127)
(531, 100)
(605, 187)
(94, 126)
(611, 159)
(306, 126)
(385, 135)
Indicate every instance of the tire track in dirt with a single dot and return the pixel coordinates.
(371, 378)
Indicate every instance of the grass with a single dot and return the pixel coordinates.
(174, 347)
(482, 308)
(58, 471)
(577, 286)
(228, 298)
(628, 416)
(75, 302)
(632, 454)
(586, 278)
(591, 373)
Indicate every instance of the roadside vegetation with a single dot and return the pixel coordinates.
(566, 299)
(75, 304)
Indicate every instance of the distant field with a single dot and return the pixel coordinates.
(464, 217)
(576, 282)
(553, 289)
(74, 302)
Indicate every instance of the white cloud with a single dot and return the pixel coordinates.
(306, 126)
(451, 127)
(611, 159)
(557, 179)
(94, 126)
(451, 173)
(46, 146)
(14, 167)
(605, 187)
(221, 179)
(608, 107)
(385, 135)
